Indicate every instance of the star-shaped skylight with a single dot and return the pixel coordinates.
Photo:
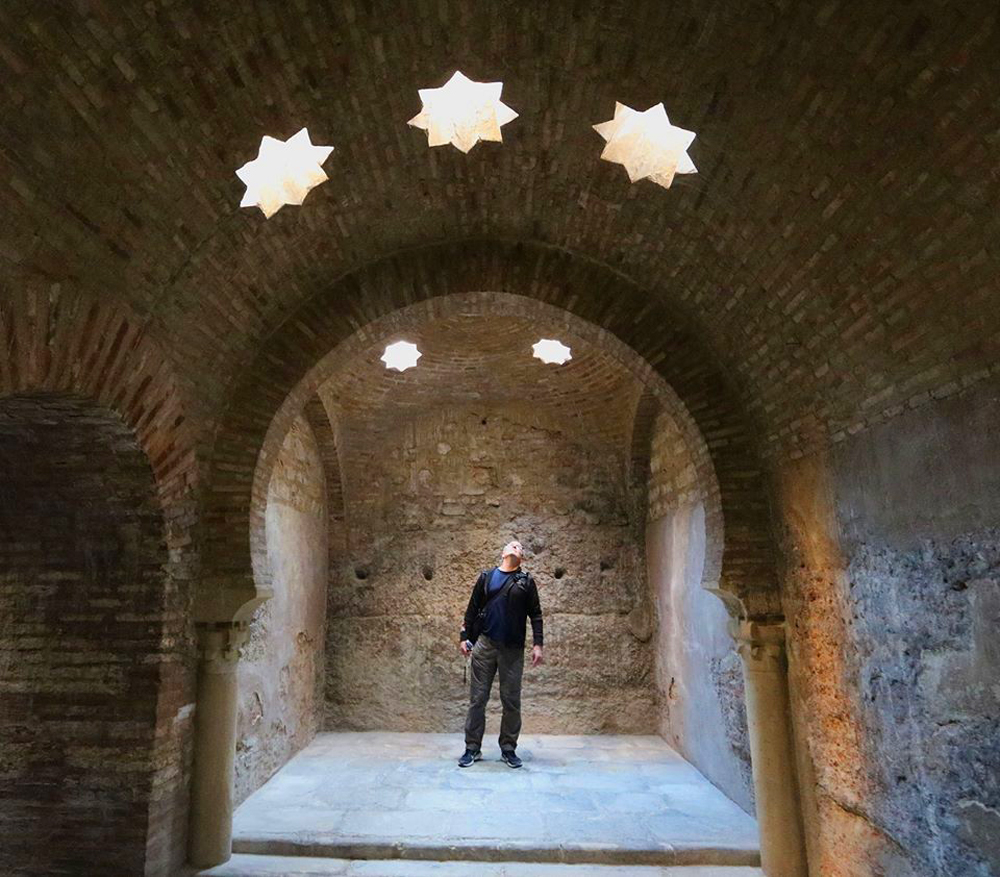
(283, 172)
(401, 355)
(462, 112)
(550, 351)
(647, 144)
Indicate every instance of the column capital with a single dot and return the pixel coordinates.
(219, 645)
(761, 644)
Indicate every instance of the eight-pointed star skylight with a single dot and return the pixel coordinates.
(401, 355)
(647, 144)
(462, 112)
(283, 172)
(550, 351)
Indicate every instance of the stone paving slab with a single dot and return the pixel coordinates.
(280, 866)
(609, 800)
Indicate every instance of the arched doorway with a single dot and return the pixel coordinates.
(738, 555)
(478, 443)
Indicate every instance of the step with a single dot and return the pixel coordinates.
(244, 865)
(634, 852)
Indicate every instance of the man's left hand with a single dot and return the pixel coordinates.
(536, 656)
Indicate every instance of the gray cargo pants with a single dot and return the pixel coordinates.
(487, 658)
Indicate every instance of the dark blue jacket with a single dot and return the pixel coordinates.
(521, 604)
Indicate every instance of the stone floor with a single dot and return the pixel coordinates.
(577, 800)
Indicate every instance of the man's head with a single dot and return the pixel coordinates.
(513, 550)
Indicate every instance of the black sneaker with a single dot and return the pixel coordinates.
(469, 758)
(510, 757)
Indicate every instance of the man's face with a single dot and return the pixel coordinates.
(515, 549)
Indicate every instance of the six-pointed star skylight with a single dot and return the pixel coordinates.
(550, 351)
(647, 144)
(401, 355)
(283, 172)
(462, 112)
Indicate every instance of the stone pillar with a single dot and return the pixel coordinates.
(779, 816)
(211, 831)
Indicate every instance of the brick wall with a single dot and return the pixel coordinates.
(832, 270)
(84, 642)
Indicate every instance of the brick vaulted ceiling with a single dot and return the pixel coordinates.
(837, 254)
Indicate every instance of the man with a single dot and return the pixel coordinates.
(502, 601)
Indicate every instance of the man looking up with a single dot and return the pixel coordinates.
(501, 602)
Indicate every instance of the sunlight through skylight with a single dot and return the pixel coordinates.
(462, 112)
(283, 172)
(647, 145)
(550, 351)
(401, 356)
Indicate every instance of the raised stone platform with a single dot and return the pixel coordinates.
(594, 800)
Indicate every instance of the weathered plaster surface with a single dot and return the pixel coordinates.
(431, 509)
(280, 672)
(698, 672)
(893, 590)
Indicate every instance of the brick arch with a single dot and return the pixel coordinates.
(68, 352)
(322, 426)
(620, 315)
(64, 342)
(656, 396)
(640, 444)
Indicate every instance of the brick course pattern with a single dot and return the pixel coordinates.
(733, 486)
(831, 272)
(834, 252)
(59, 344)
(88, 651)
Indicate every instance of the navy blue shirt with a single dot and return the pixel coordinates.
(497, 624)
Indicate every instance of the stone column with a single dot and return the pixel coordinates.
(779, 817)
(211, 831)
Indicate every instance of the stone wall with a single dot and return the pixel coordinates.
(281, 668)
(893, 593)
(84, 651)
(431, 505)
(698, 673)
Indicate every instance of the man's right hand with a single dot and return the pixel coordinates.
(465, 648)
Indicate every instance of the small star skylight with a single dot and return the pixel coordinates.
(283, 172)
(462, 112)
(550, 351)
(647, 144)
(401, 356)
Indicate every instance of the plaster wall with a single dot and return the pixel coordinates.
(280, 671)
(892, 589)
(698, 673)
(430, 503)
